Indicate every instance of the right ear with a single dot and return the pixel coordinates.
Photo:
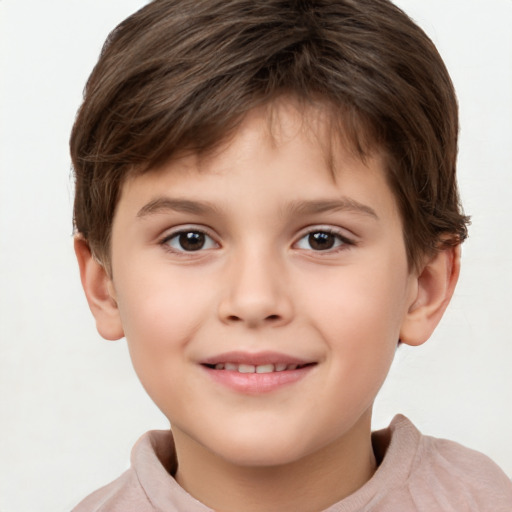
(99, 290)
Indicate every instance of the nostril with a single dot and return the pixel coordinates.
(269, 318)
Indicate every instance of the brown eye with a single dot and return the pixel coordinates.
(321, 241)
(190, 241)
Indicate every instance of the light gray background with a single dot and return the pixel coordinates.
(70, 404)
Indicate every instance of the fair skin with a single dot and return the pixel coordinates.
(257, 258)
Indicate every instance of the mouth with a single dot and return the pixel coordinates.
(253, 374)
(260, 368)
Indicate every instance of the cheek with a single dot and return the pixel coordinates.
(160, 316)
(159, 324)
(359, 313)
(358, 300)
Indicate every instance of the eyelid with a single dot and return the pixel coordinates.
(185, 228)
(346, 239)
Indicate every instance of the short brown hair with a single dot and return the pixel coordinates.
(181, 74)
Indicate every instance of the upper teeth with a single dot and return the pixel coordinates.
(250, 368)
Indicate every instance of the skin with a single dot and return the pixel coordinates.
(260, 283)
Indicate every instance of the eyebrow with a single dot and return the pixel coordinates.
(164, 204)
(323, 206)
(299, 207)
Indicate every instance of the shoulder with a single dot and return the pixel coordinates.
(148, 486)
(127, 493)
(455, 468)
(456, 477)
(122, 495)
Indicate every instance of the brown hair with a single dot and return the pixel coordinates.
(181, 74)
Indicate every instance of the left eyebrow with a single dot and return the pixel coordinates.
(166, 204)
(323, 206)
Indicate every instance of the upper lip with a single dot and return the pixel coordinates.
(257, 358)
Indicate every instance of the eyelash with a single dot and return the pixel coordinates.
(341, 242)
(187, 231)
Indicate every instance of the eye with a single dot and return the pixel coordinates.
(322, 240)
(189, 241)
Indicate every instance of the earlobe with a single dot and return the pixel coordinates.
(99, 292)
(434, 288)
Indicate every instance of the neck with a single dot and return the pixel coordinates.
(310, 484)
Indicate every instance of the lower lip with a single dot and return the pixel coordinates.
(257, 383)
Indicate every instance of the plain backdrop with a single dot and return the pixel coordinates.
(70, 404)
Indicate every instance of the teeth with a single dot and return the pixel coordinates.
(246, 368)
(265, 368)
(250, 368)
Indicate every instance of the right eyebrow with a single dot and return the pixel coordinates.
(166, 204)
(323, 206)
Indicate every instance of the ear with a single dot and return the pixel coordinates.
(99, 290)
(434, 289)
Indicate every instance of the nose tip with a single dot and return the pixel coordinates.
(256, 295)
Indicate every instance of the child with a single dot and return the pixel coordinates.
(266, 205)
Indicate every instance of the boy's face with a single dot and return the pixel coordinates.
(260, 256)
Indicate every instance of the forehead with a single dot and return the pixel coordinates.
(336, 130)
(333, 131)
(286, 152)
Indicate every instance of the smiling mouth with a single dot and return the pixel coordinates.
(261, 368)
(256, 373)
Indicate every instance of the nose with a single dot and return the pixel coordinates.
(257, 292)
